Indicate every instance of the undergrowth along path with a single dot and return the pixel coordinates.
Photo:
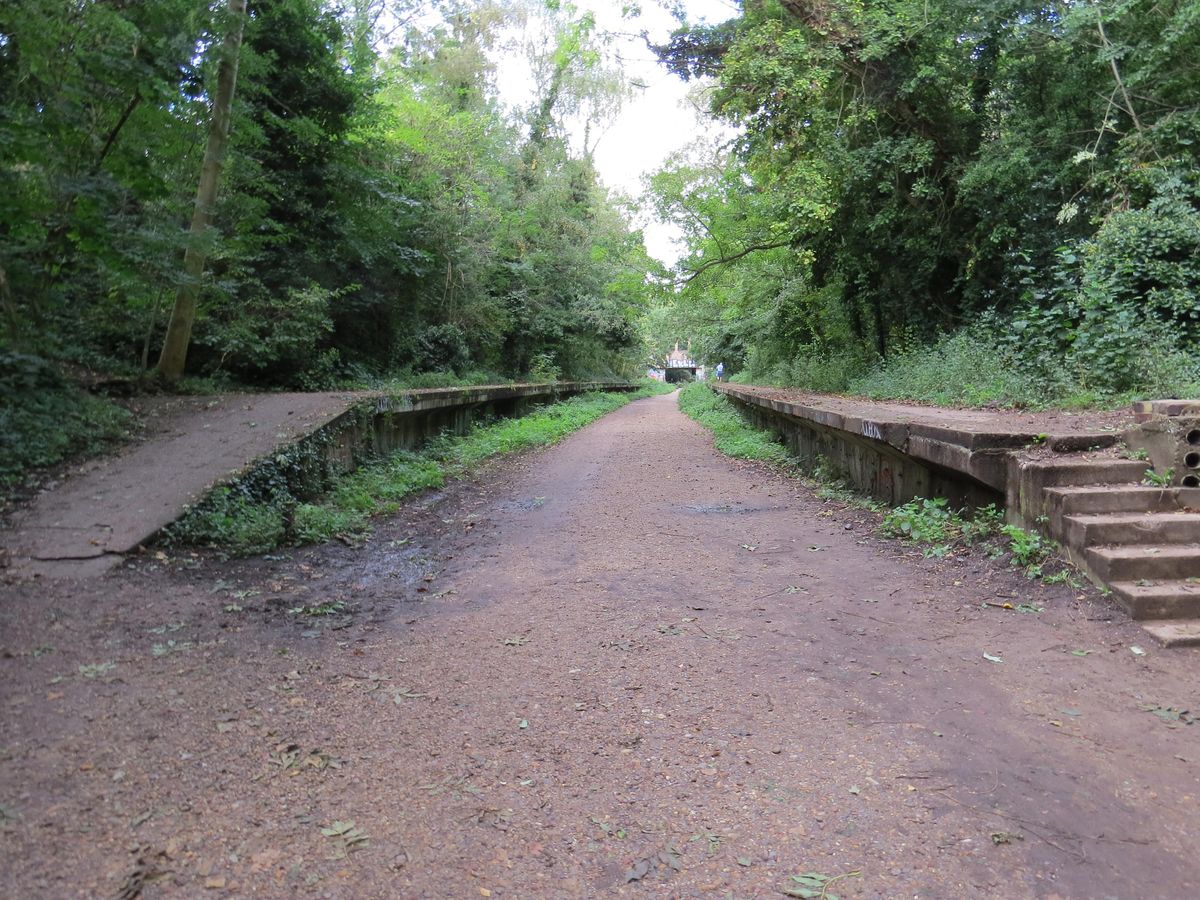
(82, 525)
(241, 525)
(622, 666)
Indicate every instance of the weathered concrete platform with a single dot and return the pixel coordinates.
(110, 506)
(1070, 476)
(900, 451)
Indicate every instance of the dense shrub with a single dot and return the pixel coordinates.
(44, 419)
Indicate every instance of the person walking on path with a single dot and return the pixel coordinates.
(720, 371)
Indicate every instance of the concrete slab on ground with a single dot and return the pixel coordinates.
(109, 506)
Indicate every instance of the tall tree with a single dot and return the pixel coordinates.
(179, 331)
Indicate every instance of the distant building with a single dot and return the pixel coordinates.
(681, 359)
(678, 366)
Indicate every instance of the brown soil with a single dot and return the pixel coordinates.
(624, 666)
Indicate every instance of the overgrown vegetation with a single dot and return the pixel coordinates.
(938, 529)
(990, 364)
(45, 419)
(947, 201)
(380, 210)
(261, 513)
(732, 434)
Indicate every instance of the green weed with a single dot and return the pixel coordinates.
(230, 520)
(1029, 549)
(1157, 479)
(732, 434)
(925, 521)
(313, 523)
(985, 523)
(931, 522)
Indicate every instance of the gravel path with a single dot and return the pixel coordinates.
(624, 666)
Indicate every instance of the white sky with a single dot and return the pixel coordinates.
(653, 124)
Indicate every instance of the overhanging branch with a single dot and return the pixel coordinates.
(733, 257)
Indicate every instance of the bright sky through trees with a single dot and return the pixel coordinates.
(655, 122)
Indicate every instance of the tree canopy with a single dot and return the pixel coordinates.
(905, 170)
(1006, 183)
(379, 210)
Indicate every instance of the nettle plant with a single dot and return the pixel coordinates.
(924, 521)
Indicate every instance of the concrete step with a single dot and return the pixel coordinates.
(1144, 561)
(1164, 599)
(1058, 472)
(1112, 498)
(1175, 633)
(1131, 528)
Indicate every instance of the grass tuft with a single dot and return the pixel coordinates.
(732, 434)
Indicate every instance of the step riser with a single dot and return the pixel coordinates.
(1125, 472)
(1122, 502)
(1084, 534)
(1148, 567)
(1098, 504)
(1183, 606)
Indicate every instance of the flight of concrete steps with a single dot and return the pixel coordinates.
(1141, 541)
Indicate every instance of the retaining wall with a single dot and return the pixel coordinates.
(384, 423)
(893, 456)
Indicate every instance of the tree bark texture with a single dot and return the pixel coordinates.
(179, 331)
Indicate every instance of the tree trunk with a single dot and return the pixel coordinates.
(539, 129)
(10, 309)
(179, 330)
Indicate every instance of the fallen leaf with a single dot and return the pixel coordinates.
(1171, 714)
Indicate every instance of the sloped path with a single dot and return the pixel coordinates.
(112, 504)
(621, 667)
